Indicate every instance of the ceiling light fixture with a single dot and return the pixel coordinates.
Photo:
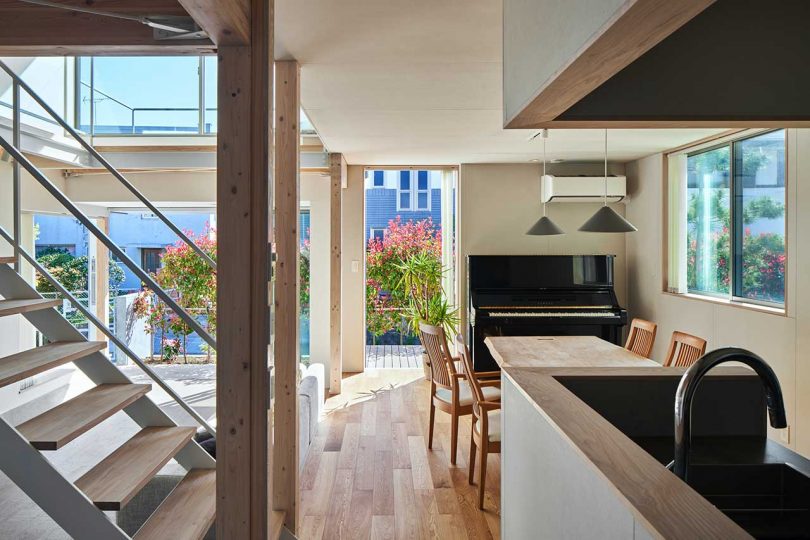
(544, 226)
(606, 220)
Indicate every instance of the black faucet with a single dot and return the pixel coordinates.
(689, 384)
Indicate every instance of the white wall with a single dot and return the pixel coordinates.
(539, 39)
(498, 204)
(783, 341)
(353, 302)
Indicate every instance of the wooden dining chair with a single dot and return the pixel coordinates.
(684, 350)
(486, 423)
(449, 390)
(642, 337)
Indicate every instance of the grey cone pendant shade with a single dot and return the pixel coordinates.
(544, 226)
(606, 220)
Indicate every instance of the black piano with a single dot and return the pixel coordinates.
(540, 295)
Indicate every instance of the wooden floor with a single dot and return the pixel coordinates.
(369, 473)
(393, 356)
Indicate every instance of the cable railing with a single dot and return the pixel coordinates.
(18, 84)
(103, 328)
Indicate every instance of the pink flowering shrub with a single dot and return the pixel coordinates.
(385, 298)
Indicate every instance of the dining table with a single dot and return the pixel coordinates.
(562, 352)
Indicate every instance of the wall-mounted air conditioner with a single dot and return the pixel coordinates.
(583, 188)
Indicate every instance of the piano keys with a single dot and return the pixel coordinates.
(540, 295)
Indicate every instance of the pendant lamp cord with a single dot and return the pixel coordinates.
(543, 178)
(606, 135)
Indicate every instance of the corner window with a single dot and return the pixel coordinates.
(735, 219)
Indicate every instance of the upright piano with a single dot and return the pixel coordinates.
(540, 295)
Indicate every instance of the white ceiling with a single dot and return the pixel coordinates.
(419, 82)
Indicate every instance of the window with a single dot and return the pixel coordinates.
(150, 259)
(404, 191)
(422, 191)
(735, 219)
(376, 234)
(379, 179)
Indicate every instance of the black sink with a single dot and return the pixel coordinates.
(770, 500)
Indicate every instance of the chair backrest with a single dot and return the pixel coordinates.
(642, 337)
(475, 385)
(434, 340)
(684, 350)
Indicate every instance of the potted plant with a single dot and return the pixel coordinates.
(421, 282)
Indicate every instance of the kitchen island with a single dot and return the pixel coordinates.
(585, 439)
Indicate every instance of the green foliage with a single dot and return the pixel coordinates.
(763, 257)
(403, 278)
(304, 283)
(192, 284)
(71, 272)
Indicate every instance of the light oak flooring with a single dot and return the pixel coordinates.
(369, 473)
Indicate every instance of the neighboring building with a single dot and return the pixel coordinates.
(411, 195)
(141, 235)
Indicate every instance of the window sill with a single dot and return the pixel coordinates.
(781, 312)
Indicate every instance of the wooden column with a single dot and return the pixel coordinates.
(102, 280)
(286, 343)
(244, 169)
(337, 174)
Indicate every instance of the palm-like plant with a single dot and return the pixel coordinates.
(422, 284)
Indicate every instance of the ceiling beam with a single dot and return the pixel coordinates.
(226, 21)
(32, 30)
(629, 34)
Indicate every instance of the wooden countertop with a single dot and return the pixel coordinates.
(562, 351)
(667, 507)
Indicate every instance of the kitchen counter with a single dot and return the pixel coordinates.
(567, 471)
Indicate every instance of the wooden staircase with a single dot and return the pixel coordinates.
(188, 511)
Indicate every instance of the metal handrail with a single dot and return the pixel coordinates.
(107, 241)
(112, 170)
(106, 331)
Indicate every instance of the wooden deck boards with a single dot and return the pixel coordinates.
(369, 473)
(394, 356)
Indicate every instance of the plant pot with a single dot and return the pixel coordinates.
(426, 365)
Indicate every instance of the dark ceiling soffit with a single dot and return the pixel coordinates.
(738, 63)
(32, 30)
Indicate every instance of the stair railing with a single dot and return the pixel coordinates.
(110, 335)
(18, 83)
(107, 241)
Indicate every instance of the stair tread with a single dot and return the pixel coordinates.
(117, 478)
(187, 513)
(8, 260)
(55, 428)
(22, 365)
(13, 307)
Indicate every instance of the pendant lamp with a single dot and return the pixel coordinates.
(544, 226)
(606, 220)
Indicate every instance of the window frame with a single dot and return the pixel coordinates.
(736, 227)
(401, 191)
(417, 192)
(373, 230)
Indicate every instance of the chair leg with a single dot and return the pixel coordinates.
(472, 459)
(430, 428)
(482, 474)
(453, 438)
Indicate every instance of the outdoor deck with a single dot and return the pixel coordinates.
(393, 356)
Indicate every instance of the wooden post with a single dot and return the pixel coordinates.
(102, 280)
(286, 343)
(337, 173)
(244, 170)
